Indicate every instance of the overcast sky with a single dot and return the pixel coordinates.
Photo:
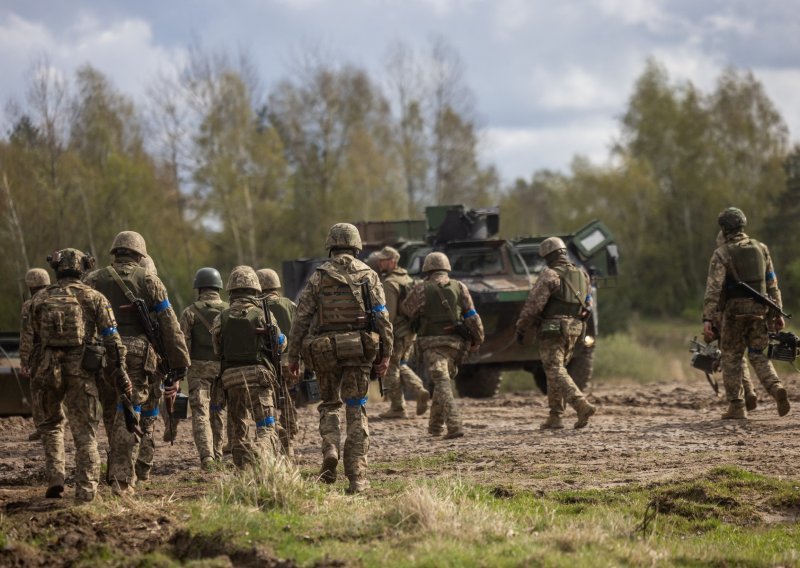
(550, 77)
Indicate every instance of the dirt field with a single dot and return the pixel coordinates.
(641, 434)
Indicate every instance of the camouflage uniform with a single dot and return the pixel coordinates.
(745, 323)
(208, 425)
(30, 354)
(131, 458)
(248, 376)
(331, 329)
(61, 379)
(441, 347)
(553, 309)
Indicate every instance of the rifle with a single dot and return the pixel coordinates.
(706, 358)
(274, 347)
(372, 326)
(131, 420)
(761, 298)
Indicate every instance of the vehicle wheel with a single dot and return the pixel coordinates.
(478, 381)
(582, 365)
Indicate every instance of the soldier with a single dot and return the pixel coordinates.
(448, 326)
(122, 282)
(333, 329)
(30, 355)
(248, 375)
(557, 306)
(396, 285)
(66, 318)
(745, 322)
(283, 310)
(196, 322)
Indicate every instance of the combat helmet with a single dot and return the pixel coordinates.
(436, 261)
(37, 278)
(269, 279)
(70, 262)
(731, 219)
(147, 263)
(243, 278)
(130, 240)
(551, 245)
(388, 253)
(344, 236)
(207, 277)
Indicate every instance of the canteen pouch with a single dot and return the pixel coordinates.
(321, 353)
(93, 354)
(349, 345)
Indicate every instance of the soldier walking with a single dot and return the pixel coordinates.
(746, 321)
(66, 318)
(122, 282)
(332, 328)
(399, 378)
(205, 398)
(448, 327)
(283, 310)
(30, 354)
(557, 306)
(248, 375)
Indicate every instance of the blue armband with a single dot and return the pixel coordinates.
(770, 276)
(108, 331)
(378, 309)
(161, 306)
(281, 339)
(150, 413)
(136, 409)
(470, 314)
(356, 401)
(266, 423)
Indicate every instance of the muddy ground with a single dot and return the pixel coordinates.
(649, 433)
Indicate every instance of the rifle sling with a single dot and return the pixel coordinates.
(122, 286)
(445, 303)
(576, 293)
(201, 317)
(354, 288)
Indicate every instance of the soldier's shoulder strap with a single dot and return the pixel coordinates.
(122, 286)
(200, 316)
(354, 288)
(727, 259)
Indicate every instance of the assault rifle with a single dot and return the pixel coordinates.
(761, 298)
(274, 347)
(783, 346)
(131, 420)
(706, 358)
(372, 326)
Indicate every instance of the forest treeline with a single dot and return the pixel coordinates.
(216, 170)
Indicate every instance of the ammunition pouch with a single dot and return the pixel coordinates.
(326, 353)
(551, 328)
(180, 408)
(93, 357)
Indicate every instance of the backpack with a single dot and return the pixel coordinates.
(62, 323)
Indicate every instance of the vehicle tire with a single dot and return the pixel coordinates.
(582, 365)
(478, 381)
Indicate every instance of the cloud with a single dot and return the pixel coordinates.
(782, 86)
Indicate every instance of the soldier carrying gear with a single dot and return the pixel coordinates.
(331, 328)
(283, 310)
(442, 311)
(30, 356)
(396, 285)
(745, 319)
(148, 264)
(206, 396)
(74, 325)
(557, 306)
(248, 376)
(125, 283)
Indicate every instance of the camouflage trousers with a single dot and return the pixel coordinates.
(555, 351)
(132, 458)
(108, 402)
(348, 384)
(219, 421)
(63, 380)
(439, 354)
(250, 395)
(207, 423)
(36, 391)
(399, 376)
(287, 427)
(744, 329)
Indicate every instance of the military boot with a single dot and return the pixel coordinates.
(453, 434)
(54, 491)
(750, 400)
(35, 436)
(357, 485)
(782, 398)
(393, 413)
(423, 397)
(736, 411)
(553, 422)
(207, 463)
(330, 459)
(585, 411)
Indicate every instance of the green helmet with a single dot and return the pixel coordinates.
(37, 278)
(207, 278)
(731, 219)
(70, 261)
(130, 240)
(269, 279)
(551, 245)
(343, 235)
(147, 263)
(243, 277)
(436, 261)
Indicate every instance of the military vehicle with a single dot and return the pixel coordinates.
(15, 390)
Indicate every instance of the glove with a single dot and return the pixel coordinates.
(294, 369)
(520, 338)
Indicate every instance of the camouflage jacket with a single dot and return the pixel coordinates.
(414, 304)
(308, 303)
(718, 272)
(26, 347)
(189, 316)
(548, 283)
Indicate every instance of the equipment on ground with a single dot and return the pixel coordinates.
(706, 358)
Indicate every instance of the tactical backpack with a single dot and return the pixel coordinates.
(62, 323)
(242, 344)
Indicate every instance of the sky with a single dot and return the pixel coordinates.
(550, 78)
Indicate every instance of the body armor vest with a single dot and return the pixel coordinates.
(133, 276)
(401, 326)
(747, 258)
(569, 299)
(242, 344)
(202, 347)
(442, 308)
(339, 310)
(283, 310)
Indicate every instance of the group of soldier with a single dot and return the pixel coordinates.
(83, 342)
